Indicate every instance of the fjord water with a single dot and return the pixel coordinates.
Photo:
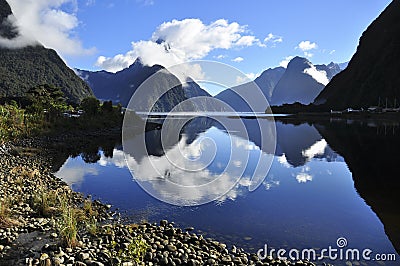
(328, 179)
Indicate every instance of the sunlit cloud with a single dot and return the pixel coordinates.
(117, 160)
(238, 59)
(317, 148)
(319, 75)
(72, 174)
(179, 41)
(283, 161)
(307, 46)
(273, 39)
(303, 177)
(48, 23)
(221, 56)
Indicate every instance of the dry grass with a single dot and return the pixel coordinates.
(5, 214)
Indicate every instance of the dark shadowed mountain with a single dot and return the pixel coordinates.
(24, 68)
(372, 75)
(120, 86)
(302, 81)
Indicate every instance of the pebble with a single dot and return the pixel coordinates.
(171, 248)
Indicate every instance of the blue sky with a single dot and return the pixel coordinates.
(250, 35)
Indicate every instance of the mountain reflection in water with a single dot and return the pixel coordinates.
(328, 179)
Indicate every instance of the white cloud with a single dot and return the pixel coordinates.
(317, 148)
(251, 75)
(285, 61)
(180, 41)
(319, 75)
(303, 177)
(307, 46)
(332, 52)
(268, 184)
(308, 54)
(117, 160)
(273, 39)
(17, 42)
(73, 172)
(117, 63)
(247, 41)
(221, 56)
(46, 22)
(283, 160)
(238, 59)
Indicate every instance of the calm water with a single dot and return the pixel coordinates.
(327, 180)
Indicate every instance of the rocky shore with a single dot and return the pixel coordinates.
(38, 226)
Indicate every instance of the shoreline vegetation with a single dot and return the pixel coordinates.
(45, 111)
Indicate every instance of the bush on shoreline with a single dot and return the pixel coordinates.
(44, 111)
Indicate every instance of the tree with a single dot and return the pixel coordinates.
(90, 106)
(46, 97)
(107, 107)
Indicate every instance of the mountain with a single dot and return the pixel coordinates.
(372, 74)
(302, 81)
(24, 68)
(200, 98)
(343, 65)
(266, 82)
(331, 69)
(120, 86)
(7, 30)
